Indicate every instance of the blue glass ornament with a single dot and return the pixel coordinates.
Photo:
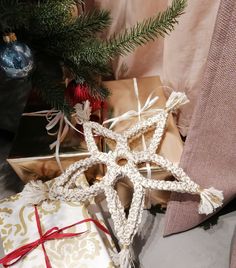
(16, 59)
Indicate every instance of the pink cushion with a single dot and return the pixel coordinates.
(209, 156)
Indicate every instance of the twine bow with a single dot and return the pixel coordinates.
(58, 118)
(175, 100)
(145, 110)
(54, 233)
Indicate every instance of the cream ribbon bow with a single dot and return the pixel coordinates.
(145, 110)
(55, 117)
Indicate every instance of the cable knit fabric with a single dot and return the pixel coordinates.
(209, 155)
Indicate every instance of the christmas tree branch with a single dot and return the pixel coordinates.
(70, 39)
(56, 29)
(91, 75)
(50, 86)
(90, 23)
(138, 35)
(50, 16)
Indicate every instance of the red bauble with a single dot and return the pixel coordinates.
(77, 93)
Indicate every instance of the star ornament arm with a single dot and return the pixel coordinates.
(65, 187)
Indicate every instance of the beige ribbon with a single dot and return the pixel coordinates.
(58, 118)
(141, 111)
(145, 110)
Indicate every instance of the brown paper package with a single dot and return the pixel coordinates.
(123, 99)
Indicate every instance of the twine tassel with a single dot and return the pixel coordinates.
(83, 112)
(35, 192)
(211, 199)
(176, 100)
(123, 259)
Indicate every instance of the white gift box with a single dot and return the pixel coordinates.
(18, 227)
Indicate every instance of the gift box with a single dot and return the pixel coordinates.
(54, 234)
(129, 104)
(31, 156)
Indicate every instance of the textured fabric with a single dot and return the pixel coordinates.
(209, 155)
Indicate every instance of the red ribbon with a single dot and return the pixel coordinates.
(54, 233)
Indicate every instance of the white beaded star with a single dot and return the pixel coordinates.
(66, 188)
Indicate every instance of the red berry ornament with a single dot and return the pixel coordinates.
(77, 93)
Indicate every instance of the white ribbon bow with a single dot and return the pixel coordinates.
(55, 117)
(145, 110)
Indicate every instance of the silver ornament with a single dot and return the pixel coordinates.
(16, 58)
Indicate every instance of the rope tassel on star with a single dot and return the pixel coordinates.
(125, 227)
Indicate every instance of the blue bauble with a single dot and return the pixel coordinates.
(16, 59)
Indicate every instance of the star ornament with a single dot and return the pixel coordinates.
(122, 162)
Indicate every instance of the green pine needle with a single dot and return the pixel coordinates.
(51, 16)
(138, 35)
(49, 85)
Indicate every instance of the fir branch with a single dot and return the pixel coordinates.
(92, 77)
(55, 20)
(79, 66)
(51, 28)
(89, 23)
(50, 87)
(71, 55)
(52, 93)
(72, 38)
(138, 35)
(51, 15)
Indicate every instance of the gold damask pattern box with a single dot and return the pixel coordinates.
(18, 227)
(31, 157)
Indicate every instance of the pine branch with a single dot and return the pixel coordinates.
(51, 15)
(52, 93)
(89, 23)
(55, 20)
(71, 39)
(79, 65)
(51, 28)
(50, 86)
(148, 30)
(92, 77)
(138, 35)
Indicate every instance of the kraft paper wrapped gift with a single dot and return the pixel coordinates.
(32, 159)
(18, 227)
(124, 99)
